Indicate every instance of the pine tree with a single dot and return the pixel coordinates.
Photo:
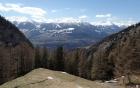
(75, 63)
(45, 58)
(59, 59)
(37, 58)
(51, 61)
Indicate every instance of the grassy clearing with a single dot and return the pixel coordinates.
(43, 78)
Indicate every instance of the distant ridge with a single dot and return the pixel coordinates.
(70, 34)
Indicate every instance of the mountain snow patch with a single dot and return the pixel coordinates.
(68, 30)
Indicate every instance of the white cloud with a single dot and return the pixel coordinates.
(83, 17)
(104, 23)
(114, 20)
(33, 12)
(68, 19)
(64, 20)
(119, 23)
(19, 18)
(103, 15)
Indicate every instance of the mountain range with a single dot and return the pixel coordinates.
(68, 34)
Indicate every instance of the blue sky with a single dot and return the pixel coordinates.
(94, 11)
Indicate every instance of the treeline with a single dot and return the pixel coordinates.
(52, 59)
(78, 61)
(116, 55)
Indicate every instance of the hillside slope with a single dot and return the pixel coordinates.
(43, 78)
(115, 56)
(16, 52)
(118, 54)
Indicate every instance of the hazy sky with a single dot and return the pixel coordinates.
(120, 11)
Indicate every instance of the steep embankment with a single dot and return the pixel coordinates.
(16, 52)
(43, 78)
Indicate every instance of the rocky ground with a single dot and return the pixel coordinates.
(43, 78)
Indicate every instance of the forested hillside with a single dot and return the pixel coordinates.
(16, 52)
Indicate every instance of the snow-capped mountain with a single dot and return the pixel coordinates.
(72, 34)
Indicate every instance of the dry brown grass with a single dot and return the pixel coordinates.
(43, 78)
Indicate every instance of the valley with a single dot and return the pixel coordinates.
(69, 44)
(102, 62)
(70, 34)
